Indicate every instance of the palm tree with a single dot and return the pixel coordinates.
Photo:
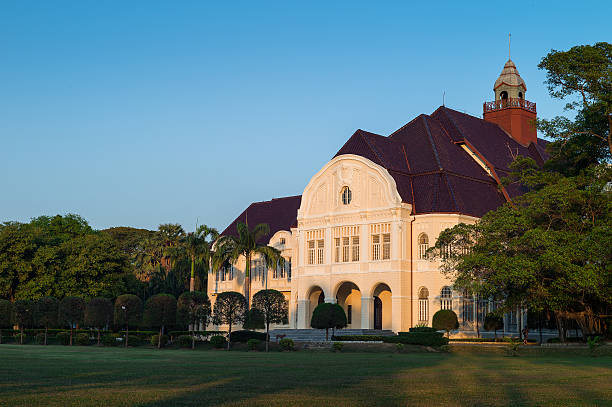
(198, 246)
(172, 235)
(147, 257)
(246, 244)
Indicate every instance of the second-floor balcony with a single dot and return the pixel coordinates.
(508, 103)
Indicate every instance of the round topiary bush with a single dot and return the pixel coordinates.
(287, 344)
(185, 341)
(155, 340)
(217, 341)
(63, 338)
(445, 320)
(252, 344)
(82, 339)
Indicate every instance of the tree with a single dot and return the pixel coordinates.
(6, 316)
(24, 315)
(493, 322)
(584, 73)
(274, 308)
(171, 235)
(98, 314)
(445, 319)
(193, 308)
(128, 311)
(148, 257)
(47, 309)
(328, 315)
(247, 243)
(198, 246)
(230, 308)
(160, 312)
(71, 312)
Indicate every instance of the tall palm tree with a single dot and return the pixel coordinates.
(171, 234)
(147, 257)
(246, 244)
(198, 246)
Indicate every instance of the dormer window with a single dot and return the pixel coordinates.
(282, 240)
(503, 95)
(347, 196)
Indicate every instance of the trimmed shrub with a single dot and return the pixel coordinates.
(287, 344)
(337, 347)
(400, 347)
(217, 341)
(110, 340)
(244, 336)
(40, 338)
(420, 329)
(445, 320)
(252, 344)
(82, 339)
(63, 338)
(184, 341)
(155, 340)
(358, 338)
(134, 340)
(418, 338)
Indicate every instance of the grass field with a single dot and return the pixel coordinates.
(90, 376)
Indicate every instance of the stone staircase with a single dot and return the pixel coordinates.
(318, 335)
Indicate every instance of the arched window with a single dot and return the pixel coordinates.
(520, 95)
(423, 245)
(347, 195)
(503, 95)
(468, 308)
(423, 305)
(446, 298)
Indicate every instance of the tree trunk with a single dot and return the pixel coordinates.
(229, 336)
(477, 315)
(267, 335)
(70, 334)
(159, 338)
(540, 325)
(98, 336)
(127, 334)
(326, 331)
(192, 280)
(247, 281)
(46, 335)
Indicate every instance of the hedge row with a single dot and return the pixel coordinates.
(418, 338)
(359, 338)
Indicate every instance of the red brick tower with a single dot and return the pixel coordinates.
(510, 110)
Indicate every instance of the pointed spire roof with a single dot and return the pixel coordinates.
(510, 76)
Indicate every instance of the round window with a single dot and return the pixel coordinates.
(347, 195)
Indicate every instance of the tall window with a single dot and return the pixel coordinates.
(381, 241)
(423, 245)
(386, 253)
(445, 251)
(446, 298)
(347, 195)
(320, 249)
(337, 249)
(468, 308)
(423, 305)
(355, 248)
(375, 247)
(311, 252)
(345, 249)
(288, 268)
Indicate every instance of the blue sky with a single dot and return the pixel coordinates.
(138, 113)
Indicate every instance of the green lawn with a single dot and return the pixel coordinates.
(88, 376)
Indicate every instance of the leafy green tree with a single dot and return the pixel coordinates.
(254, 319)
(273, 305)
(6, 316)
(584, 75)
(248, 243)
(160, 312)
(148, 256)
(328, 315)
(445, 319)
(47, 309)
(493, 322)
(98, 314)
(23, 311)
(193, 308)
(198, 246)
(128, 311)
(71, 312)
(230, 308)
(171, 235)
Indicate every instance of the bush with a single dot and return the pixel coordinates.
(185, 341)
(420, 329)
(18, 338)
(337, 347)
(445, 320)
(244, 336)
(134, 340)
(287, 344)
(400, 347)
(155, 340)
(252, 343)
(217, 341)
(82, 339)
(358, 338)
(63, 338)
(418, 338)
(110, 340)
(40, 338)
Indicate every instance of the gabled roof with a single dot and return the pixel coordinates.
(279, 213)
(428, 160)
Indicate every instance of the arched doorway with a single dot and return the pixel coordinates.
(382, 307)
(348, 296)
(316, 296)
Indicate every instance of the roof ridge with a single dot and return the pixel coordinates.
(374, 151)
(433, 146)
(401, 128)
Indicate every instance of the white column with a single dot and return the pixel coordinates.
(303, 311)
(367, 313)
(396, 313)
(331, 300)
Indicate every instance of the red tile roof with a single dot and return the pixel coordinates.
(431, 169)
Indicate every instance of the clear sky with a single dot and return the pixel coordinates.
(136, 113)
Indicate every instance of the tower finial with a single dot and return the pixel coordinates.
(509, 39)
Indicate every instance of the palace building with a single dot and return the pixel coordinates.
(358, 234)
